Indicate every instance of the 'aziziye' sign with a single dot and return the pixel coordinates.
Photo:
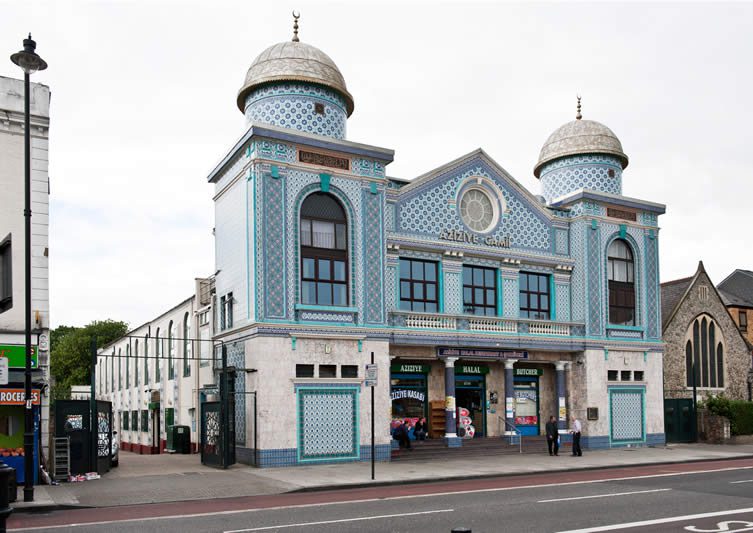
(410, 369)
(16, 355)
(399, 394)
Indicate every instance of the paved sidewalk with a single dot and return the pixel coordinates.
(142, 479)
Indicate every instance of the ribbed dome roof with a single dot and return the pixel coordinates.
(294, 61)
(580, 137)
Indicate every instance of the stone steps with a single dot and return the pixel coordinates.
(436, 448)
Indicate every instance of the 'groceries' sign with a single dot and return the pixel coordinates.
(17, 397)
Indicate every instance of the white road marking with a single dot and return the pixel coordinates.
(669, 520)
(743, 481)
(367, 500)
(602, 495)
(340, 521)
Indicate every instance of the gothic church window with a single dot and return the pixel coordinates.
(704, 354)
(324, 251)
(621, 275)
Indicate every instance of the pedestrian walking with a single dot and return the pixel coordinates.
(575, 429)
(552, 436)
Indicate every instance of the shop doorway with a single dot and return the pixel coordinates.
(470, 392)
(156, 448)
(527, 405)
(408, 395)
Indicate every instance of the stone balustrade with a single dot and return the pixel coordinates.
(483, 324)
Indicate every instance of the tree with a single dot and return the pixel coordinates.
(70, 352)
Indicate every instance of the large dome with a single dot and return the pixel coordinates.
(294, 61)
(580, 137)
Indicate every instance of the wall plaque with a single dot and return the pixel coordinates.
(324, 160)
(621, 214)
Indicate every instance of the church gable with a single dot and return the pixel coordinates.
(474, 202)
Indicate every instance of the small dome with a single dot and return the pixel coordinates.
(580, 137)
(294, 61)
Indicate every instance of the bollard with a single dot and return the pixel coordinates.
(5, 509)
(460, 530)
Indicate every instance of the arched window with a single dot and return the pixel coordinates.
(146, 360)
(170, 350)
(186, 346)
(324, 251)
(621, 275)
(128, 366)
(158, 360)
(704, 353)
(136, 363)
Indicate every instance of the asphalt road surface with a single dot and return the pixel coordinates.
(707, 497)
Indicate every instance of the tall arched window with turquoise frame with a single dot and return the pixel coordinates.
(621, 276)
(324, 251)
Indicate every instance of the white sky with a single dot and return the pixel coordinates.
(143, 106)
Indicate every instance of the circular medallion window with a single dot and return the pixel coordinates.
(478, 210)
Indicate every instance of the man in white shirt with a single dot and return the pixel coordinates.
(575, 430)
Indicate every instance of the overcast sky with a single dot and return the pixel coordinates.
(143, 106)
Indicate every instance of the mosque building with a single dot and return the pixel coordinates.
(465, 289)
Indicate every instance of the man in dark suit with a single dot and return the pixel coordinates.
(552, 436)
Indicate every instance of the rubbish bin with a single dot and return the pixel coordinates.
(179, 439)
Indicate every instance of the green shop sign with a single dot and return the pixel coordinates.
(410, 369)
(529, 371)
(16, 355)
(471, 369)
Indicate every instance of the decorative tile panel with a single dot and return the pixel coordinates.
(373, 262)
(562, 299)
(453, 293)
(236, 356)
(597, 172)
(432, 207)
(510, 297)
(327, 423)
(649, 219)
(293, 106)
(561, 245)
(653, 327)
(626, 415)
(595, 294)
(327, 317)
(367, 167)
(274, 247)
(273, 150)
(390, 288)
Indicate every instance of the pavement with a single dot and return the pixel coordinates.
(145, 479)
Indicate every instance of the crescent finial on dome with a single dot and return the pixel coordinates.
(578, 115)
(296, 16)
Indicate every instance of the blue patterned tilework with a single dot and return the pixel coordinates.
(597, 172)
(562, 301)
(587, 208)
(236, 356)
(289, 456)
(328, 423)
(292, 105)
(561, 242)
(510, 298)
(624, 334)
(277, 151)
(433, 207)
(373, 262)
(273, 247)
(578, 233)
(653, 317)
(453, 293)
(626, 415)
(594, 296)
(649, 219)
(453, 442)
(367, 167)
(390, 288)
(324, 316)
(389, 217)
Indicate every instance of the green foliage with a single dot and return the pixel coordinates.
(738, 412)
(70, 352)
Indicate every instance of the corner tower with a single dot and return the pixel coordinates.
(295, 85)
(582, 154)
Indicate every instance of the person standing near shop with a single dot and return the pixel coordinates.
(552, 436)
(575, 430)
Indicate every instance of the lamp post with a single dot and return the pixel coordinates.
(30, 63)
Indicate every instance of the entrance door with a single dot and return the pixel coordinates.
(527, 405)
(678, 420)
(470, 393)
(155, 431)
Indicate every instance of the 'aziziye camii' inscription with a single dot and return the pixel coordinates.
(471, 238)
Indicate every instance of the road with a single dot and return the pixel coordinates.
(710, 496)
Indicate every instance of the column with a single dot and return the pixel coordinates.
(509, 393)
(561, 409)
(449, 400)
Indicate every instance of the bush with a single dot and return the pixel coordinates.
(738, 412)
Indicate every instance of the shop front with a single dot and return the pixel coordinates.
(470, 394)
(12, 427)
(527, 404)
(408, 392)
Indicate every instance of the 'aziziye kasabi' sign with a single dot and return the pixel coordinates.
(17, 397)
(16, 355)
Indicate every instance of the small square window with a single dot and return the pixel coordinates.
(327, 371)
(304, 371)
(611, 375)
(319, 109)
(625, 375)
(638, 375)
(349, 371)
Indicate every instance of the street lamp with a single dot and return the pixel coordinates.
(30, 63)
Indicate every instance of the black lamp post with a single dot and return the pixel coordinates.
(30, 63)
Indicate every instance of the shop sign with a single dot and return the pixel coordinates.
(410, 369)
(17, 397)
(529, 371)
(480, 353)
(16, 355)
(399, 394)
(472, 369)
